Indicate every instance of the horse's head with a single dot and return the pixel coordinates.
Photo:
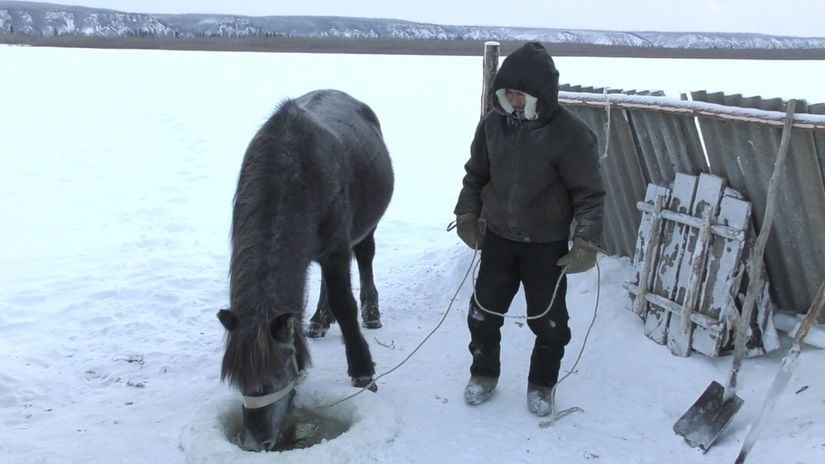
(260, 360)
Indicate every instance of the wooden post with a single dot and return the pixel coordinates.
(755, 282)
(491, 51)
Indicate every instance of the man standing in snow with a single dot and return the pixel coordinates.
(533, 168)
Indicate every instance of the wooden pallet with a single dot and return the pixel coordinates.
(691, 254)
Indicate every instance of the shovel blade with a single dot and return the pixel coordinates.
(707, 417)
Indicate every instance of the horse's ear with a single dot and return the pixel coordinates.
(283, 328)
(228, 319)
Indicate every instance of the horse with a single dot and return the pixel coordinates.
(314, 182)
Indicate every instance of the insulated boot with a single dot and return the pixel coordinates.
(539, 399)
(479, 389)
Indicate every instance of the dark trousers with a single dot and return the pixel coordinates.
(504, 265)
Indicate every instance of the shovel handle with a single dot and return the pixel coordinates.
(755, 281)
(784, 375)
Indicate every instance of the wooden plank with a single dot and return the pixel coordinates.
(647, 244)
(677, 310)
(724, 274)
(709, 191)
(665, 276)
(764, 339)
(688, 220)
(651, 248)
(760, 318)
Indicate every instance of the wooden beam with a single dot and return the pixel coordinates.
(693, 221)
(677, 309)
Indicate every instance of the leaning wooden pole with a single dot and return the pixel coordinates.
(787, 367)
(755, 281)
(491, 52)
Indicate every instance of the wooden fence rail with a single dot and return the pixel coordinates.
(813, 122)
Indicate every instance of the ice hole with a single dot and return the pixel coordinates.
(305, 428)
(347, 432)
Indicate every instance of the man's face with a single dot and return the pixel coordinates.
(516, 99)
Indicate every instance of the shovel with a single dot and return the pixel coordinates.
(704, 421)
(715, 408)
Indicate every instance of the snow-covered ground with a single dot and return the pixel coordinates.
(117, 170)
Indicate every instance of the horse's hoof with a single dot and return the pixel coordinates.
(371, 324)
(371, 317)
(315, 330)
(365, 381)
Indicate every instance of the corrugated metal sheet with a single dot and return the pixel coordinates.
(668, 144)
(745, 153)
(644, 147)
(622, 174)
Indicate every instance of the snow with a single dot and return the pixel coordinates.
(118, 170)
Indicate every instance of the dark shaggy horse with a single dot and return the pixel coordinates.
(315, 180)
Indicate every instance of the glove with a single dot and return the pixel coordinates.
(468, 230)
(581, 257)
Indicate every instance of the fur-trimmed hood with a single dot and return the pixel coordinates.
(531, 70)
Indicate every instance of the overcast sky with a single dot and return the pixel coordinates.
(776, 17)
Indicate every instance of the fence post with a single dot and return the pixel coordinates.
(491, 51)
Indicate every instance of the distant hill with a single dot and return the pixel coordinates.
(50, 20)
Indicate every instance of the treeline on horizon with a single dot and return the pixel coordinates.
(393, 46)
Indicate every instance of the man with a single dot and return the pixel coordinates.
(533, 168)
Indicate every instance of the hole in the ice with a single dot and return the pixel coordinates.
(304, 429)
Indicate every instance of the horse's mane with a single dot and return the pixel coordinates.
(261, 261)
(259, 211)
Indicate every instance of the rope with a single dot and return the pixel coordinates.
(555, 416)
(606, 126)
(407, 358)
(509, 316)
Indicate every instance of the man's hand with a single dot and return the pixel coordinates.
(468, 230)
(581, 258)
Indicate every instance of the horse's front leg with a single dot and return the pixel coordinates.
(320, 321)
(364, 254)
(336, 273)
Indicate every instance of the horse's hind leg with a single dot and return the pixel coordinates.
(336, 271)
(364, 253)
(320, 321)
